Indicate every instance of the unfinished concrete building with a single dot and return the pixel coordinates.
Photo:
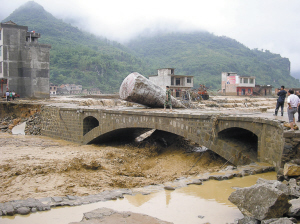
(179, 84)
(24, 63)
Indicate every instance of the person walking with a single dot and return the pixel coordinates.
(293, 103)
(168, 99)
(280, 100)
(7, 95)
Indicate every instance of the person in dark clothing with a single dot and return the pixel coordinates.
(280, 101)
(298, 94)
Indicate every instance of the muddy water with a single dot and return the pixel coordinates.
(192, 204)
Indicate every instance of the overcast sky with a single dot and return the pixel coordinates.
(263, 24)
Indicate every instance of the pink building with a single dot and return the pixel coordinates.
(236, 85)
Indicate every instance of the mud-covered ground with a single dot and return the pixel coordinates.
(37, 166)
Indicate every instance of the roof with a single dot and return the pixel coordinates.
(10, 23)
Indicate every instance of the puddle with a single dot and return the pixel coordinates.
(192, 204)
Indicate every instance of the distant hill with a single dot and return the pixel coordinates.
(77, 57)
(205, 56)
(82, 58)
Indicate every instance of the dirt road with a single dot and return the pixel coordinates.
(37, 166)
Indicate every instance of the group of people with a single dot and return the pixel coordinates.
(10, 95)
(293, 102)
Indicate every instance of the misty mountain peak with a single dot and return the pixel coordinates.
(31, 10)
(31, 5)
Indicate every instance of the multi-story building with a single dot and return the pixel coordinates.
(24, 63)
(237, 85)
(71, 89)
(179, 84)
(53, 89)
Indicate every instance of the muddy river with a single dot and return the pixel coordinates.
(207, 203)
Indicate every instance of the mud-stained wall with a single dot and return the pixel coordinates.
(62, 123)
(18, 109)
(67, 123)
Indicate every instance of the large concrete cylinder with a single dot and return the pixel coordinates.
(138, 89)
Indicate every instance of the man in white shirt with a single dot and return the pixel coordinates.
(293, 103)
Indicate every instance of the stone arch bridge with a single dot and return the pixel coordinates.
(239, 139)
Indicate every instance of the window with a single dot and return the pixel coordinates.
(249, 90)
(0, 66)
(189, 80)
(251, 81)
(177, 81)
(245, 80)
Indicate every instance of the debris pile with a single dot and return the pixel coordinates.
(33, 124)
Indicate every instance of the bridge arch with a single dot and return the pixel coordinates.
(89, 123)
(244, 140)
(256, 129)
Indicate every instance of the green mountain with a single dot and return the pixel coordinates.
(206, 56)
(77, 57)
(82, 58)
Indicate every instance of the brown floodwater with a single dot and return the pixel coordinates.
(192, 204)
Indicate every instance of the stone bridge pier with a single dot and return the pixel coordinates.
(239, 139)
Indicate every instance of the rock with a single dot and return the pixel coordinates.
(33, 210)
(279, 221)
(196, 182)
(275, 184)
(23, 210)
(296, 161)
(57, 199)
(106, 215)
(138, 89)
(70, 197)
(169, 188)
(248, 220)
(98, 213)
(229, 168)
(273, 203)
(222, 176)
(291, 169)
(7, 208)
(294, 210)
(294, 188)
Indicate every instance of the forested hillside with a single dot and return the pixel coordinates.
(77, 57)
(205, 56)
(82, 58)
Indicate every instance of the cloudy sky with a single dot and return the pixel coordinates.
(263, 24)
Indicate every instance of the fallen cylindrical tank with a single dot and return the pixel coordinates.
(138, 89)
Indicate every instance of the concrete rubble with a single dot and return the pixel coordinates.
(138, 89)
